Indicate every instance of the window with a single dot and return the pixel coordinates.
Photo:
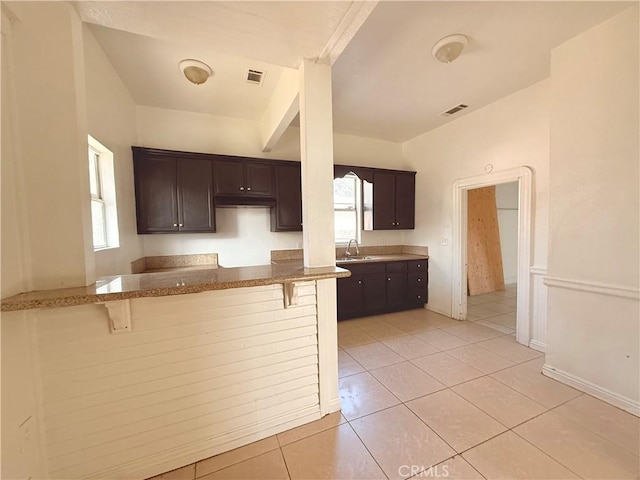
(346, 204)
(98, 212)
(104, 213)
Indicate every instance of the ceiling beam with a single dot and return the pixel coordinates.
(353, 19)
(283, 106)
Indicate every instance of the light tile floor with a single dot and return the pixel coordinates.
(496, 309)
(425, 396)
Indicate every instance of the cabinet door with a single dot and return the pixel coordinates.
(229, 177)
(405, 201)
(195, 196)
(373, 294)
(396, 290)
(384, 199)
(258, 180)
(156, 194)
(286, 216)
(349, 297)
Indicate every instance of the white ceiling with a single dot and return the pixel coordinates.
(280, 33)
(385, 83)
(149, 69)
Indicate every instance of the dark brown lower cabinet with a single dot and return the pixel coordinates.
(350, 296)
(417, 281)
(381, 287)
(374, 293)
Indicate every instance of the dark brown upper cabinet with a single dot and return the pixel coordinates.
(286, 215)
(174, 192)
(238, 181)
(389, 201)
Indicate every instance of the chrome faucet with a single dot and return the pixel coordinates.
(347, 253)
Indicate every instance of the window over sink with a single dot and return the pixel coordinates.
(347, 195)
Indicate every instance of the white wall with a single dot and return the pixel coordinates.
(14, 271)
(593, 309)
(111, 119)
(507, 205)
(510, 132)
(47, 95)
(243, 234)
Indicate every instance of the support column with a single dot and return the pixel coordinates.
(316, 144)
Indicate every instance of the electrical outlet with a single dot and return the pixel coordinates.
(444, 241)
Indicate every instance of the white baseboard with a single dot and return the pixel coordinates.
(617, 400)
(539, 346)
(612, 290)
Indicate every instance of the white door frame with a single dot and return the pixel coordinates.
(524, 177)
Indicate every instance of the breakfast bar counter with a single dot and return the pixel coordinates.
(144, 373)
(178, 282)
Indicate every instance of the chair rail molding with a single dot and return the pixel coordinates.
(601, 288)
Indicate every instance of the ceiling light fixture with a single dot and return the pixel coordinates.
(196, 71)
(447, 49)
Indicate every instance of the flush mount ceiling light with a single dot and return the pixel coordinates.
(447, 49)
(196, 71)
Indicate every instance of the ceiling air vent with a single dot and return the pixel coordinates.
(455, 109)
(255, 76)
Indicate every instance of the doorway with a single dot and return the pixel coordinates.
(492, 256)
(523, 177)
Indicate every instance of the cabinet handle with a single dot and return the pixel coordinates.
(248, 189)
(175, 224)
(181, 225)
(419, 265)
(359, 282)
(241, 188)
(393, 223)
(398, 223)
(419, 279)
(389, 279)
(419, 297)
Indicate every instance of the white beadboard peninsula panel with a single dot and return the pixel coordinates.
(197, 373)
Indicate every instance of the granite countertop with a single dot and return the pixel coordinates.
(397, 257)
(181, 269)
(393, 257)
(180, 282)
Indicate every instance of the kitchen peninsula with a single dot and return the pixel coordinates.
(177, 282)
(179, 366)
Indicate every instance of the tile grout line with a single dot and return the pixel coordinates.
(508, 429)
(365, 445)
(284, 459)
(545, 453)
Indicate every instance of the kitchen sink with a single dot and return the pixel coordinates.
(354, 258)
